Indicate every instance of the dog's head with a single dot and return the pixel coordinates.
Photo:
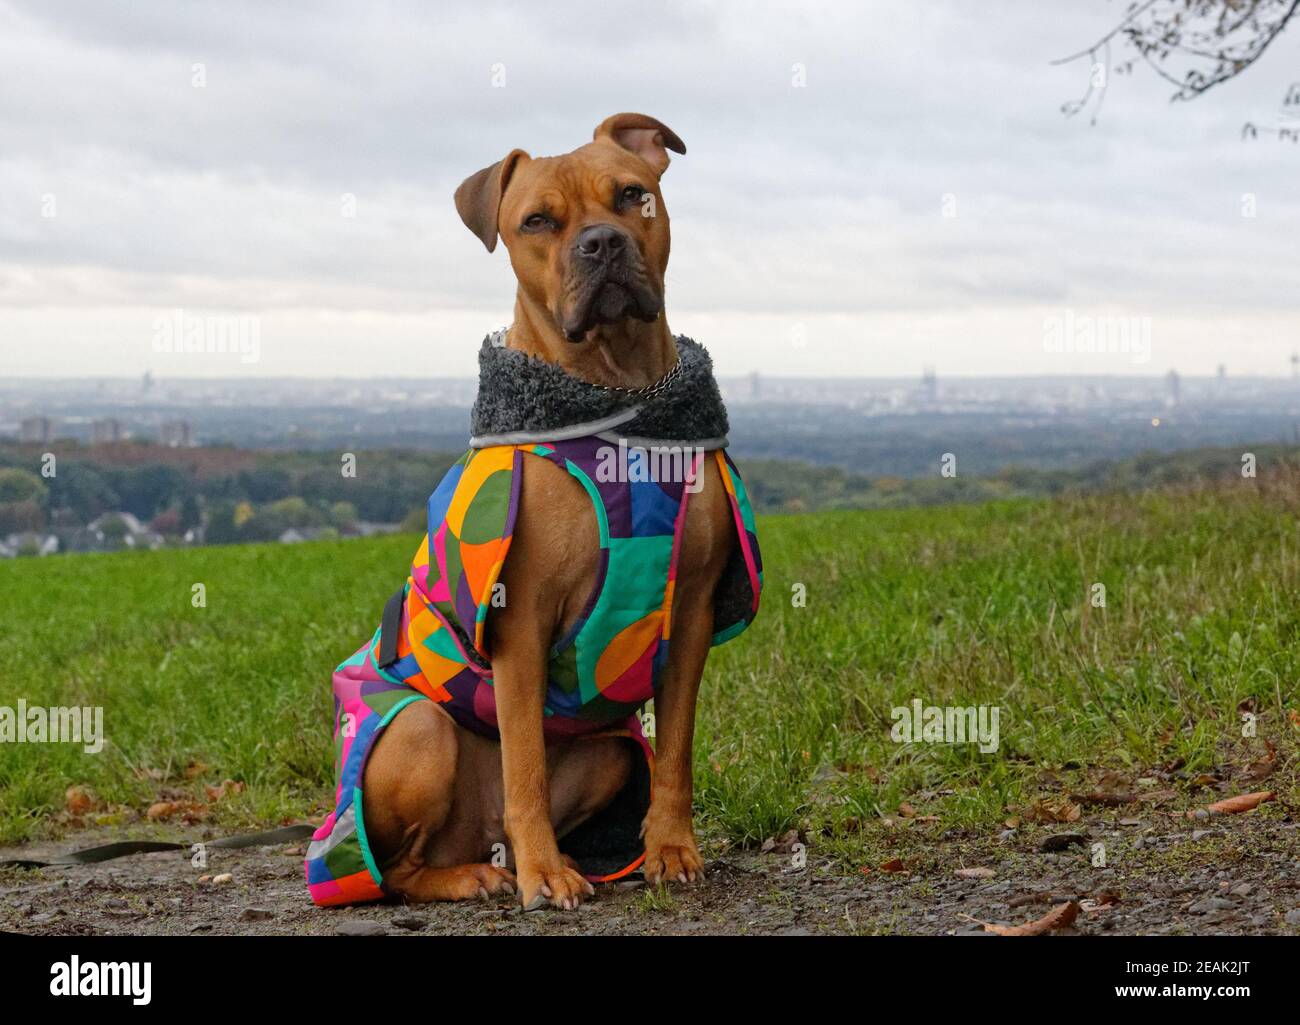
(587, 232)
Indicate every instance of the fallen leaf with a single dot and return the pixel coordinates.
(893, 865)
(195, 768)
(1055, 811)
(1058, 918)
(978, 872)
(1263, 767)
(79, 799)
(227, 788)
(161, 810)
(1240, 803)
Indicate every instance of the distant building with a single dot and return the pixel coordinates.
(36, 429)
(106, 431)
(28, 543)
(929, 385)
(1173, 386)
(113, 530)
(176, 434)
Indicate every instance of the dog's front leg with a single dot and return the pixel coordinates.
(670, 849)
(519, 672)
(669, 834)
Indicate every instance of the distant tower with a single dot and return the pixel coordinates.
(1171, 388)
(755, 386)
(1295, 364)
(146, 382)
(929, 385)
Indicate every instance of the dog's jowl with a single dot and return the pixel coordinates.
(487, 736)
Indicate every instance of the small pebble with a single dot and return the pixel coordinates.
(1204, 907)
(361, 927)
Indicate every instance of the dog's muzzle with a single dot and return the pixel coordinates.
(607, 282)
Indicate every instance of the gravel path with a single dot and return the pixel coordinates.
(1235, 874)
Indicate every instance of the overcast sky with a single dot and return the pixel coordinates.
(809, 227)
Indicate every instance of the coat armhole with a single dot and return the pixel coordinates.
(736, 599)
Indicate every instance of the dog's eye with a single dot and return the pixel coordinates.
(536, 222)
(630, 194)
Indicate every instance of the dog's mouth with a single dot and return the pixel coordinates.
(608, 297)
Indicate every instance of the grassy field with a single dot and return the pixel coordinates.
(960, 605)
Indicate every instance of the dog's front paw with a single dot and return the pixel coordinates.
(678, 861)
(558, 883)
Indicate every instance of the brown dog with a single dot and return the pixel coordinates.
(588, 239)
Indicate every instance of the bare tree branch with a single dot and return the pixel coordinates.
(1192, 44)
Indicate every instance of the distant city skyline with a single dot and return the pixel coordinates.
(868, 189)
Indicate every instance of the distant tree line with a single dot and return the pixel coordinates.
(240, 496)
(259, 500)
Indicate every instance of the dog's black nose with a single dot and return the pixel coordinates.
(600, 242)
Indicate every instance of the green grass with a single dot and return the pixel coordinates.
(960, 605)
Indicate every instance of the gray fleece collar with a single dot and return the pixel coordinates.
(525, 400)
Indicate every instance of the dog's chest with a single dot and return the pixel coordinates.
(618, 548)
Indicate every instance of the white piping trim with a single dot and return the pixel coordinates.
(707, 444)
(559, 434)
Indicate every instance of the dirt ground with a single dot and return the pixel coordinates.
(1231, 875)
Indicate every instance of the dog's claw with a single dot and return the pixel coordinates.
(677, 862)
(562, 886)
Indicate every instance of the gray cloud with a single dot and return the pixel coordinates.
(792, 202)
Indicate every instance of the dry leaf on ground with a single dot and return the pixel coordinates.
(1058, 918)
(1060, 810)
(80, 799)
(1235, 805)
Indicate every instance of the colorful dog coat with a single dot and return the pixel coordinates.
(430, 645)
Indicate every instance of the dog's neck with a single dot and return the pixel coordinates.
(630, 354)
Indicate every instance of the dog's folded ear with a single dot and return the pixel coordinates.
(647, 138)
(478, 199)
